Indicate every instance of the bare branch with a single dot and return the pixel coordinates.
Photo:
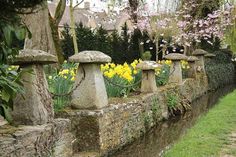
(59, 11)
(78, 4)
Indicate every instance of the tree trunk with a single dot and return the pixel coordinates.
(38, 24)
(157, 48)
(141, 47)
(56, 40)
(72, 26)
(54, 23)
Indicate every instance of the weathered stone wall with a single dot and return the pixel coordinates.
(126, 119)
(52, 139)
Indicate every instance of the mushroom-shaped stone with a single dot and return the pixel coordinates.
(199, 52)
(34, 106)
(175, 69)
(90, 91)
(90, 57)
(28, 56)
(201, 63)
(148, 76)
(175, 57)
(192, 59)
(148, 65)
(210, 55)
(192, 63)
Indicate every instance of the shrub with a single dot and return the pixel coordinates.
(220, 70)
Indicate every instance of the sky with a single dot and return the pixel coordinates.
(153, 5)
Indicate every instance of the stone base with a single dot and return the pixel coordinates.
(124, 120)
(2, 121)
(52, 139)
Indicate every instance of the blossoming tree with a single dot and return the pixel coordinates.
(195, 22)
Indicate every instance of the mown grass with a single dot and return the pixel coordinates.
(211, 132)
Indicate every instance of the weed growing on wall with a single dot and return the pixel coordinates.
(172, 100)
(155, 108)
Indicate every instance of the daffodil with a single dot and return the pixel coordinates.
(73, 78)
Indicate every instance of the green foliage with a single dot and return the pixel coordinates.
(163, 78)
(122, 47)
(8, 34)
(147, 119)
(9, 77)
(220, 75)
(155, 108)
(117, 91)
(61, 83)
(172, 100)
(67, 42)
(146, 56)
(220, 70)
(10, 85)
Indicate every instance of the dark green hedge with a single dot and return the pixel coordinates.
(220, 70)
(220, 75)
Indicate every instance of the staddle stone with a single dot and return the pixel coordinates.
(175, 57)
(28, 56)
(192, 71)
(200, 63)
(192, 59)
(175, 69)
(90, 91)
(148, 76)
(90, 57)
(34, 106)
(199, 52)
(210, 55)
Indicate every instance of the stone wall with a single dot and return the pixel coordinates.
(52, 139)
(126, 119)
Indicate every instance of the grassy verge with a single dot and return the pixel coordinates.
(211, 132)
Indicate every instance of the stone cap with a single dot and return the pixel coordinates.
(175, 57)
(90, 57)
(199, 52)
(192, 59)
(209, 55)
(28, 56)
(148, 65)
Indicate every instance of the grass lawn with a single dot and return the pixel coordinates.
(210, 134)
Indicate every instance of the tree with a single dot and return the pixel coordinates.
(54, 22)
(72, 24)
(38, 24)
(67, 43)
